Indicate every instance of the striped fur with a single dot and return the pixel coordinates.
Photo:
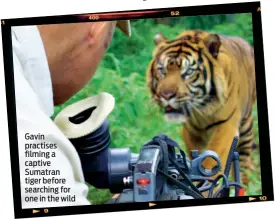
(207, 82)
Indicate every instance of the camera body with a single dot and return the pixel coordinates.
(135, 176)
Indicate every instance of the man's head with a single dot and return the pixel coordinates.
(74, 52)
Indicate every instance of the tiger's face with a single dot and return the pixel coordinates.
(180, 76)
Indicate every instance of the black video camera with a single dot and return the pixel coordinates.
(161, 171)
(157, 173)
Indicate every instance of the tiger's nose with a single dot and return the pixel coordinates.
(168, 94)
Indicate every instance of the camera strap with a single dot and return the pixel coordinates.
(171, 145)
(168, 146)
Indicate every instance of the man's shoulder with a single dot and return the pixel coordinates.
(30, 64)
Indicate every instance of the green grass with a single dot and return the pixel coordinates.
(135, 120)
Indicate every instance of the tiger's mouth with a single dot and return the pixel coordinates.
(170, 109)
(173, 115)
(174, 112)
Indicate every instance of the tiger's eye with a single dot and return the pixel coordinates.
(189, 73)
(161, 71)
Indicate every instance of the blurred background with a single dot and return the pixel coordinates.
(135, 120)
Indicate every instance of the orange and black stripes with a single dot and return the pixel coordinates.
(211, 79)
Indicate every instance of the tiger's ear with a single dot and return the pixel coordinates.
(159, 38)
(213, 44)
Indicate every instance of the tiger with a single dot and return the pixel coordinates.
(206, 81)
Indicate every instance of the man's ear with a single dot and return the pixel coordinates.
(159, 38)
(213, 44)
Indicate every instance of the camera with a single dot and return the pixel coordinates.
(161, 171)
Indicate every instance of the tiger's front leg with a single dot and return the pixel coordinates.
(220, 142)
(191, 141)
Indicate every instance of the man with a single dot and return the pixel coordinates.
(51, 64)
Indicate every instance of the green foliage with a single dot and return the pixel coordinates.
(135, 119)
(242, 27)
(204, 22)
